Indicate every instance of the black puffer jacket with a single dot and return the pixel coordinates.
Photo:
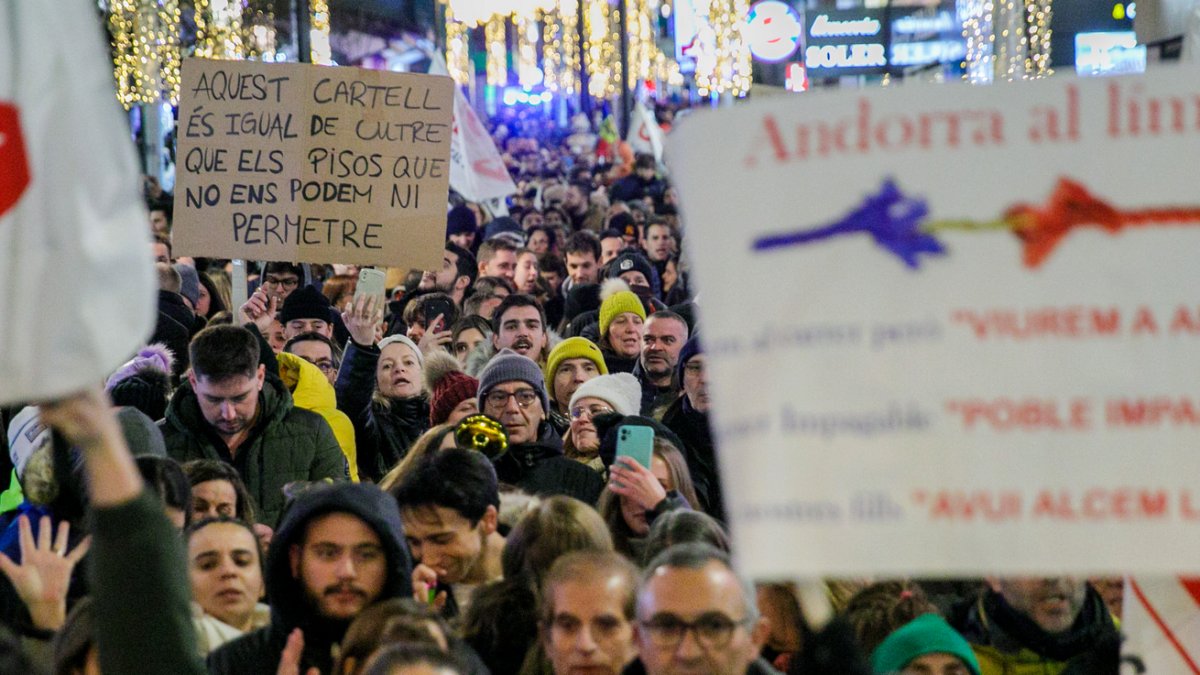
(692, 427)
(541, 469)
(258, 652)
(383, 433)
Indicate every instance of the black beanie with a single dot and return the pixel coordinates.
(624, 223)
(631, 261)
(306, 303)
(145, 390)
(460, 220)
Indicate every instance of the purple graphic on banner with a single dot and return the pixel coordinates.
(890, 217)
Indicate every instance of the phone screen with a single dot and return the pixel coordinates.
(636, 442)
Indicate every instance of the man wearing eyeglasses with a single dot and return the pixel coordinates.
(281, 278)
(695, 616)
(512, 390)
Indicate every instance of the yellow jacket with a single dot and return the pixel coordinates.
(311, 391)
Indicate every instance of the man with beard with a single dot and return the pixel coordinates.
(512, 389)
(518, 324)
(449, 503)
(663, 337)
(231, 410)
(338, 551)
(1038, 625)
(457, 274)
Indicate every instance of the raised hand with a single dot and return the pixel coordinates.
(44, 575)
(636, 483)
(436, 337)
(362, 319)
(259, 309)
(289, 658)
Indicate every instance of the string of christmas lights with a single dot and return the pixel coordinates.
(219, 29)
(1039, 13)
(261, 34)
(528, 34)
(458, 58)
(729, 71)
(145, 41)
(495, 33)
(600, 44)
(976, 17)
(321, 52)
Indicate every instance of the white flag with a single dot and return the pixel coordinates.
(1161, 622)
(77, 286)
(645, 136)
(476, 170)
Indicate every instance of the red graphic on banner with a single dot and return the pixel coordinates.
(14, 165)
(1071, 206)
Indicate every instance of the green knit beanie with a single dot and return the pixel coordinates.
(926, 634)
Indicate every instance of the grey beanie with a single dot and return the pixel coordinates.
(189, 286)
(508, 366)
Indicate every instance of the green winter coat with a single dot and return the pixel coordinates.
(287, 444)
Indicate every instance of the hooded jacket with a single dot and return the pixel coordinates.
(312, 391)
(258, 652)
(383, 433)
(540, 468)
(1007, 642)
(287, 444)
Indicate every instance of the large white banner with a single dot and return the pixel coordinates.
(954, 330)
(77, 285)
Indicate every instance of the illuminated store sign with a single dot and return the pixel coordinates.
(872, 41)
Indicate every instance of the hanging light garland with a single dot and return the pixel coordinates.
(219, 29)
(322, 53)
(600, 45)
(528, 34)
(1006, 39)
(458, 57)
(1038, 15)
(495, 35)
(976, 17)
(145, 41)
(261, 33)
(729, 71)
(547, 37)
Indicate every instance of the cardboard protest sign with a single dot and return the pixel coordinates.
(954, 330)
(312, 163)
(77, 285)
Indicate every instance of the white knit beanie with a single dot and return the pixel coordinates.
(620, 390)
(404, 340)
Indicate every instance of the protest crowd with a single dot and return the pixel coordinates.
(502, 465)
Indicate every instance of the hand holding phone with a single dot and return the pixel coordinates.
(370, 283)
(636, 442)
